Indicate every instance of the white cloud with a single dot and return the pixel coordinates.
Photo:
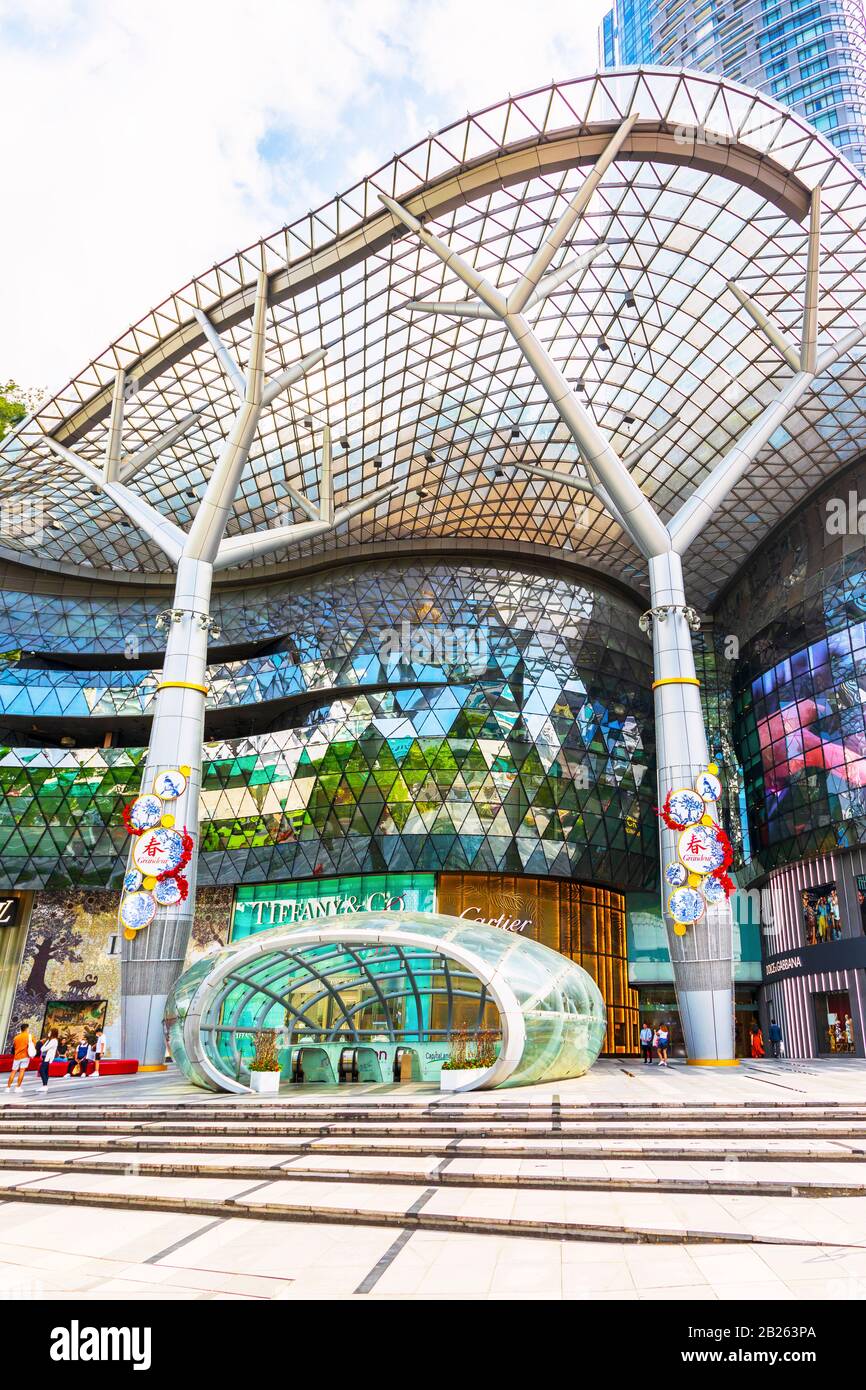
(152, 140)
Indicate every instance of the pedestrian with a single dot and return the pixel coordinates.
(81, 1055)
(66, 1053)
(757, 1039)
(662, 1040)
(98, 1051)
(646, 1044)
(23, 1048)
(48, 1053)
(775, 1038)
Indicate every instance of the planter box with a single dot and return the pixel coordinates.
(455, 1080)
(264, 1081)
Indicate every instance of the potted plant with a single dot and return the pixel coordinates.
(468, 1057)
(265, 1066)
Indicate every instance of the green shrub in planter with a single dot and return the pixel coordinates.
(471, 1054)
(266, 1057)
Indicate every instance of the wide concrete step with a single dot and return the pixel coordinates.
(552, 1146)
(33, 1102)
(571, 1215)
(790, 1179)
(35, 1121)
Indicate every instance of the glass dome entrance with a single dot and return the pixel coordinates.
(383, 998)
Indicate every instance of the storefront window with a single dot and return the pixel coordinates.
(834, 1023)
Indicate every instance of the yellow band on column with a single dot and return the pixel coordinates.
(676, 680)
(183, 685)
(714, 1061)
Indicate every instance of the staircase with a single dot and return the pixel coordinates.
(682, 1173)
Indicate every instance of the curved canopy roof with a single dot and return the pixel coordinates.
(712, 185)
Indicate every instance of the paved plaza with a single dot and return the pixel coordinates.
(746, 1183)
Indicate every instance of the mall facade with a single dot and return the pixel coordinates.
(448, 704)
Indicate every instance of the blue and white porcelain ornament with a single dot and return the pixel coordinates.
(137, 910)
(713, 891)
(686, 905)
(676, 875)
(158, 851)
(132, 881)
(168, 892)
(169, 785)
(685, 806)
(145, 812)
(708, 786)
(698, 849)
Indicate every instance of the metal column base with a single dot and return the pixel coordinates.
(707, 1024)
(143, 1034)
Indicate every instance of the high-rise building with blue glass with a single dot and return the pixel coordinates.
(808, 54)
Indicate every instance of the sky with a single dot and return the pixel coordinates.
(146, 141)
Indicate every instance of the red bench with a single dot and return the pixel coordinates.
(110, 1066)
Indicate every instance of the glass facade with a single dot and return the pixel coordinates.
(800, 683)
(426, 748)
(808, 54)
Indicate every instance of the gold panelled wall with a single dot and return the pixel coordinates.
(580, 920)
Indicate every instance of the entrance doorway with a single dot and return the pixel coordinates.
(834, 1023)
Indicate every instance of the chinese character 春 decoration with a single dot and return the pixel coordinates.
(699, 876)
(159, 854)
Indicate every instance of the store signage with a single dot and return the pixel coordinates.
(9, 908)
(263, 906)
(505, 922)
(774, 967)
(847, 954)
(273, 912)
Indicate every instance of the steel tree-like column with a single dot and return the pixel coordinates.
(154, 958)
(154, 955)
(703, 958)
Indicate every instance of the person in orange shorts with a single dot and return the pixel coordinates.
(21, 1054)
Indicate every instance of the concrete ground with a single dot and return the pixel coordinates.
(629, 1183)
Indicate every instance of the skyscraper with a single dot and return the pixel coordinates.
(808, 54)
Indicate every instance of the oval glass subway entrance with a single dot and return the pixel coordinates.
(388, 999)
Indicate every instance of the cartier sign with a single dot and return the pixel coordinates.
(503, 920)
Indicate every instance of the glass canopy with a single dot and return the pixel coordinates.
(391, 985)
(711, 187)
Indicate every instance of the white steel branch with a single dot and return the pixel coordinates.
(608, 471)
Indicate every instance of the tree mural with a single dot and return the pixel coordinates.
(52, 937)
